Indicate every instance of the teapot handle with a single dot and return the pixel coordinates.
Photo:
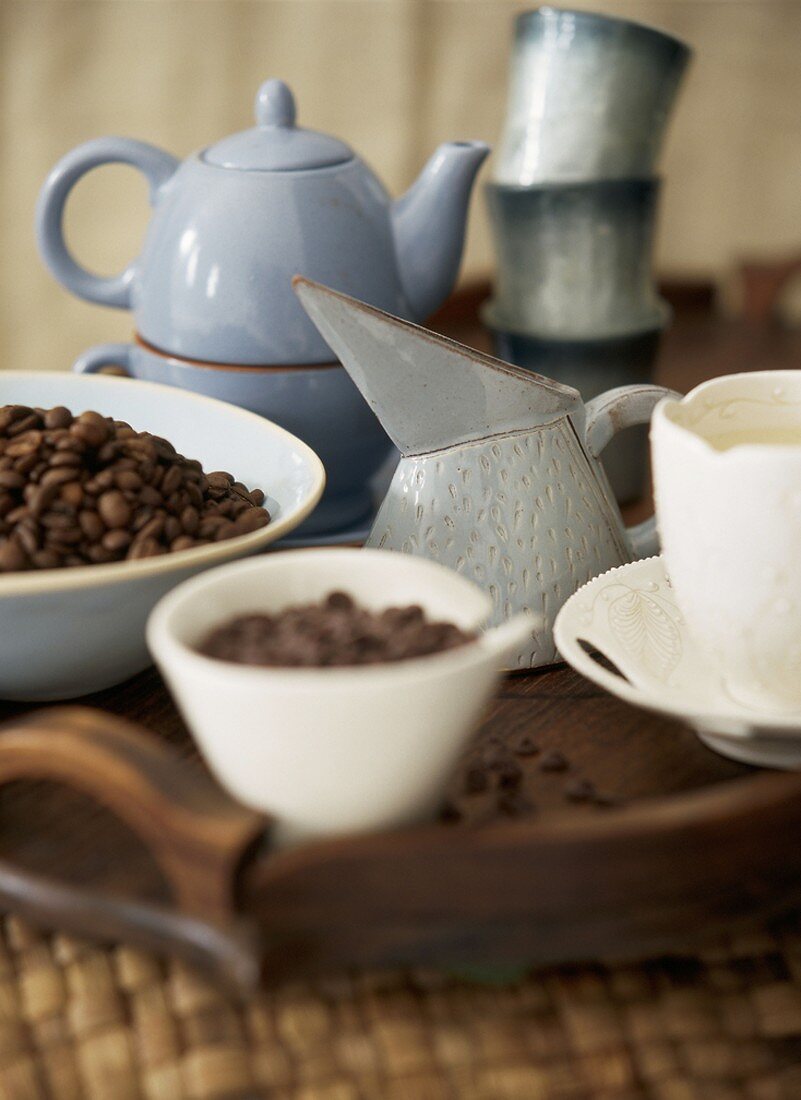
(610, 413)
(157, 167)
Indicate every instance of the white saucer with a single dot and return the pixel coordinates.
(630, 617)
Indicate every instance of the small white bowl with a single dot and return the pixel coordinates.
(68, 632)
(332, 750)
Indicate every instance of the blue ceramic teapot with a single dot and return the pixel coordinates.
(235, 221)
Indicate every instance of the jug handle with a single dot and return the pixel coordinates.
(94, 359)
(154, 164)
(610, 413)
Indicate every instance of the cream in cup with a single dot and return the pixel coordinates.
(727, 482)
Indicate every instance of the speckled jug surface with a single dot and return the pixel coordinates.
(499, 476)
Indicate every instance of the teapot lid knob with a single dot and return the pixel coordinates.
(275, 104)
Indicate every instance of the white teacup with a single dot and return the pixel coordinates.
(333, 750)
(727, 479)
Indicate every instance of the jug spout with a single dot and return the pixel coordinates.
(428, 391)
(429, 224)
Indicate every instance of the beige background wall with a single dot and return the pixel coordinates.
(393, 77)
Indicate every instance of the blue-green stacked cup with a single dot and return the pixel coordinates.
(573, 207)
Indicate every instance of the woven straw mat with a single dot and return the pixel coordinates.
(82, 1023)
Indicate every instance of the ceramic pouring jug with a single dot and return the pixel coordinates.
(233, 222)
(499, 476)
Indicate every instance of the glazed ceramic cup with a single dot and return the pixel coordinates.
(592, 367)
(319, 404)
(68, 632)
(332, 750)
(589, 97)
(574, 260)
(727, 477)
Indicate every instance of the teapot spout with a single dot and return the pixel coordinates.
(429, 224)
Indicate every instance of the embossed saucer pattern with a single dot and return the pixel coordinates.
(630, 617)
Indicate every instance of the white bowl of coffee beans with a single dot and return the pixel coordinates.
(333, 689)
(111, 492)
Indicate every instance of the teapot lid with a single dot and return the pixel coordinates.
(276, 144)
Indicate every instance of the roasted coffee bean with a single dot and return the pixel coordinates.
(27, 537)
(475, 780)
(88, 489)
(116, 540)
(23, 424)
(190, 519)
(450, 813)
(496, 756)
(172, 481)
(153, 528)
(515, 803)
(59, 417)
(11, 479)
(64, 458)
(45, 559)
(127, 479)
(71, 494)
(114, 509)
(554, 761)
(525, 746)
(42, 497)
(510, 775)
(12, 556)
(91, 525)
(59, 476)
(580, 790)
(604, 801)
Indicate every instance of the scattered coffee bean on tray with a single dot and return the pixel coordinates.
(89, 490)
(450, 813)
(580, 790)
(604, 801)
(496, 756)
(475, 780)
(336, 632)
(554, 761)
(510, 775)
(525, 745)
(515, 803)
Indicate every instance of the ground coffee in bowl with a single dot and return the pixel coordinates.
(335, 632)
(87, 489)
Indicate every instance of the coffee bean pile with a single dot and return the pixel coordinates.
(81, 490)
(336, 632)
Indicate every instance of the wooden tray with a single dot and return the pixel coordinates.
(697, 843)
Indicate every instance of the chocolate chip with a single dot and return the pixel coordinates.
(554, 761)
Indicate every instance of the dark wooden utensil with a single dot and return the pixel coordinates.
(196, 833)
